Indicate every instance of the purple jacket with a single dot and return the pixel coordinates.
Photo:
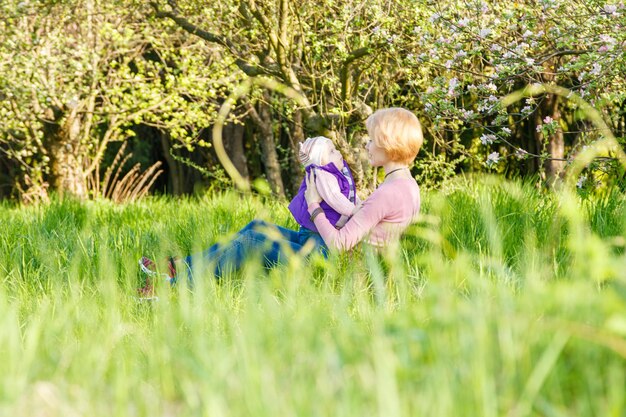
(299, 208)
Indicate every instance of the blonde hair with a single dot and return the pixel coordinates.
(397, 131)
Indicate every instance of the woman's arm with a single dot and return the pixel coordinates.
(360, 225)
(329, 190)
(371, 214)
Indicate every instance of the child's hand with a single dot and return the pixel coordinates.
(342, 222)
(357, 207)
(311, 194)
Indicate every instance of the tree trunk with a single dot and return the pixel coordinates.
(556, 144)
(234, 147)
(527, 137)
(67, 175)
(354, 155)
(174, 170)
(359, 163)
(295, 139)
(539, 142)
(263, 122)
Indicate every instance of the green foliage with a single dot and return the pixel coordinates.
(479, 51)
(88, 73)
(502, 300)
(83, 73)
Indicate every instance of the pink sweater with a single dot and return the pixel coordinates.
(385, 214)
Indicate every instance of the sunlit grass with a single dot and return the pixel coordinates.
(503, 300)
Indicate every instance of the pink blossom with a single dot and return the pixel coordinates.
(608, 39)
(548, 120)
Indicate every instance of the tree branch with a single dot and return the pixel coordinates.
(186, 25)
(563, 53)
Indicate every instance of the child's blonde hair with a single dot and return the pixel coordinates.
(397, 131)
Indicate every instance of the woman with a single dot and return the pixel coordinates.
(395, 139)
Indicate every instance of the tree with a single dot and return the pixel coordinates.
(483, 50)
(76, 77)
(338, 55)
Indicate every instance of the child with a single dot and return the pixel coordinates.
(334, 182)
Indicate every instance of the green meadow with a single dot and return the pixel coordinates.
(504, 300)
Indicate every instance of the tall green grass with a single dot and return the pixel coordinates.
(503, 300)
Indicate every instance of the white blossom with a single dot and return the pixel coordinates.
(484, 32)
(520, 153)
(467, 114)
(595, 69)
(610, 9)
(493, 158)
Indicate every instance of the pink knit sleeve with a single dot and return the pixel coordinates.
(329, 190)
(371, 213)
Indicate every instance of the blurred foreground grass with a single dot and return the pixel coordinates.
(502, 301)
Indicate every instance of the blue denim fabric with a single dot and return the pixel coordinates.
(259, 240)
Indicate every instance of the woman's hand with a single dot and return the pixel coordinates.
(311, 194)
